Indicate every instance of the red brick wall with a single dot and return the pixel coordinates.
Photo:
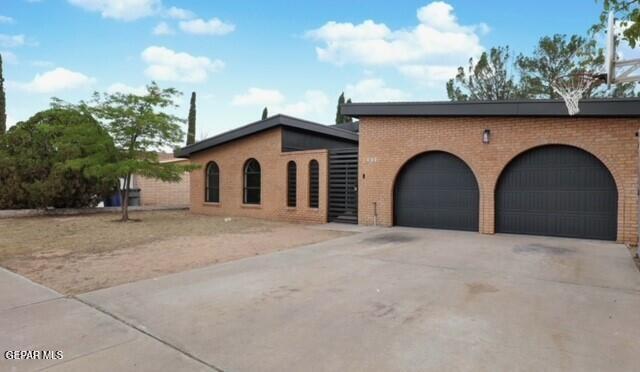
(388, 143)
(265, 147)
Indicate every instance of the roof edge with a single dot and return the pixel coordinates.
(608, 107)
(262, 125)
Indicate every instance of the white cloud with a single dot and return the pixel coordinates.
(11, 41)
(9, 58)
(483, 28)
(168, 65)
(429, 74)
(56, 80)
(258, 97)
(314, 102)
(41, 63)
(214, 26)
(123, 10)
(126, 89)
(5, 19)
(374, 90)
(163, 29)
(10, 121)
(438, 37)
(439, 15)
(179, 13)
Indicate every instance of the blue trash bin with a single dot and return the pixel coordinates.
(113, 200)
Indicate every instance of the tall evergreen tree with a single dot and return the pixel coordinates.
(265, 113)
(339, 117)
(3, 103)
(347, 119)
(191, 133)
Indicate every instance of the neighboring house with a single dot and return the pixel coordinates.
(157, 193)
(522, 167)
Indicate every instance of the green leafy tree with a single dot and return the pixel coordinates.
(55, 159)
(628, 15)
(3, 103)
(140, 127)
(488, 79)
(555, 57)
(191, 132)
(265, 113)
(628, 12)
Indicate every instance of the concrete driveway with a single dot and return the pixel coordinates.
(396, 299)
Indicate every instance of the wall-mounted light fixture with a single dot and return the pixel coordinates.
(486, 136)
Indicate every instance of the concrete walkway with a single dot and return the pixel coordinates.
(33, 317)
(382, 300)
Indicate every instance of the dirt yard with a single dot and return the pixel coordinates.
(79, 254)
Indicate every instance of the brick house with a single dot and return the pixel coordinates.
(514, 167)
(158, 193)
(275, 168)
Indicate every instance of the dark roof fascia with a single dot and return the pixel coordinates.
(613, 107)
(262, 125)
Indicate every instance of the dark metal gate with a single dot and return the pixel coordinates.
(343, 185)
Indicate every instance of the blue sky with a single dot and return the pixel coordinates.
(239, 56)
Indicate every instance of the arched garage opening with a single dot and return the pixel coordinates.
(557, 190)
(436, 190)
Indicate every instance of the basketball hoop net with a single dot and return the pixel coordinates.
(572, 87)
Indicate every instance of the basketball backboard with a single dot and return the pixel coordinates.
(618, 70)
(610, 58)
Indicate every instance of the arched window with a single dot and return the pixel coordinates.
(212, 184)
(314, 184)
(291, 184)
(251, 182)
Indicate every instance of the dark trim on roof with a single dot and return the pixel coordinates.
(611, 107)
(262, 125)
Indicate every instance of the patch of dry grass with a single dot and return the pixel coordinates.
(98, 233)
(76, 254)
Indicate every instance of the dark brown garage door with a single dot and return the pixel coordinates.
(558, 191)
(437, 190)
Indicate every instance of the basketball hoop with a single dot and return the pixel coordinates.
(572, 88)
